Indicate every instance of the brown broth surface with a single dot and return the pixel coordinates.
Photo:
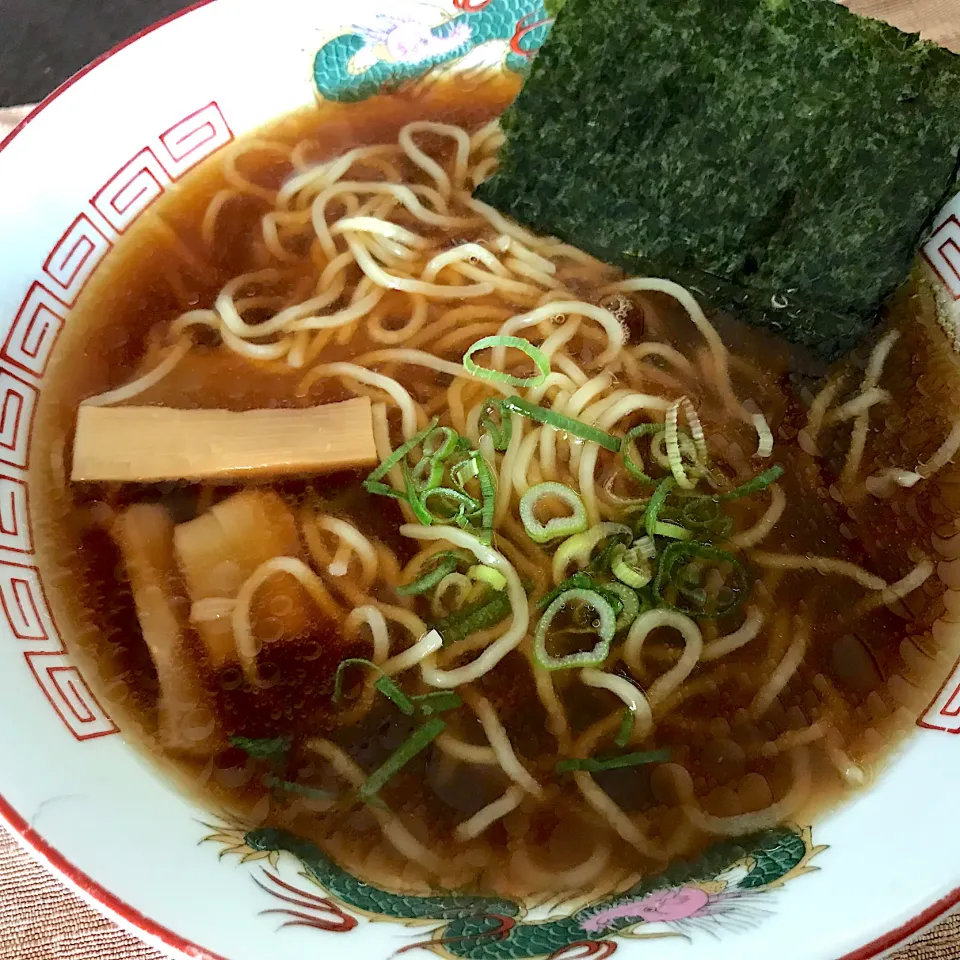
(162, 269)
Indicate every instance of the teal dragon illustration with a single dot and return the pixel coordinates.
(391, 50)
(723, 888)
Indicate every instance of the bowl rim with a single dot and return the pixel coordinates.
(168, 941)
(126, 916)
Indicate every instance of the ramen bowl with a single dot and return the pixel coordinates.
(76, 789)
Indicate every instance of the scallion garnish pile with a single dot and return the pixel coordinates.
(661, 543)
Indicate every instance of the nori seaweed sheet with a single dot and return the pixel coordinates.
(784, 158)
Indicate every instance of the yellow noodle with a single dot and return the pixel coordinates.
(488, 815)
(501, 746)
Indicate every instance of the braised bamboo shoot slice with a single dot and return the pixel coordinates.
(186, 722)
(144, 444)
(220, 549)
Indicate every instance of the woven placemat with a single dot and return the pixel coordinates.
(40, 919)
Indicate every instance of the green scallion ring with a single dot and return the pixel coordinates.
(422, 514)
(463, 471)
(587, 658)
(631, 567)
(566, 526)
(686, 552)
(498, 376)
(700, 513)
(627, 444)
(580, 548)
(656, 503)
(446, 442)
(428, 473)
(488, 575)
(461, 508)
(500, 430)
(630, 603)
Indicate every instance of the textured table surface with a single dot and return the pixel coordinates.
(44, 43)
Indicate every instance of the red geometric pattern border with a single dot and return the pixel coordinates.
(131, 190)
(15, 532)
(194, 138)
(944, 712)
(35, 330)
(28, 613)
(17, 402)
(75, 256)
(25, 353)
(942, 253)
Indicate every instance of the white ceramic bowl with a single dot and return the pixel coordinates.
(73, 177)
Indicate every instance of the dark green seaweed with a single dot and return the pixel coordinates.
(783, 158)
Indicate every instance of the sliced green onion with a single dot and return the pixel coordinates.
(444, 563)
(461, 508)
(579, 579)
(631, 567)
(262, 748)
(380, 472)
(580, 547)
(498, 376)
(583, 581)
(428, 473)
(391, 691)
(599, 764)
(665, 528)
(488, 575)
(488, 492)
(464, 471)
(500, 430)
(565, 526)
(422, 514)
(722, 529)
(629, 602)
(669, 574)
(758, 483)
(338, 677)
(705, 514)
(626, 728)
(288, 786)
(560, 422)
(384, 684)
(696, 431)
(656, 504)
(601, 562)
(701, 512)
(646, 546)
(487, 612)
(446, 442)
(586, 658)
(383, 489)
(438, 701)
(671, 436)
(627, 445)
(418, 741)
